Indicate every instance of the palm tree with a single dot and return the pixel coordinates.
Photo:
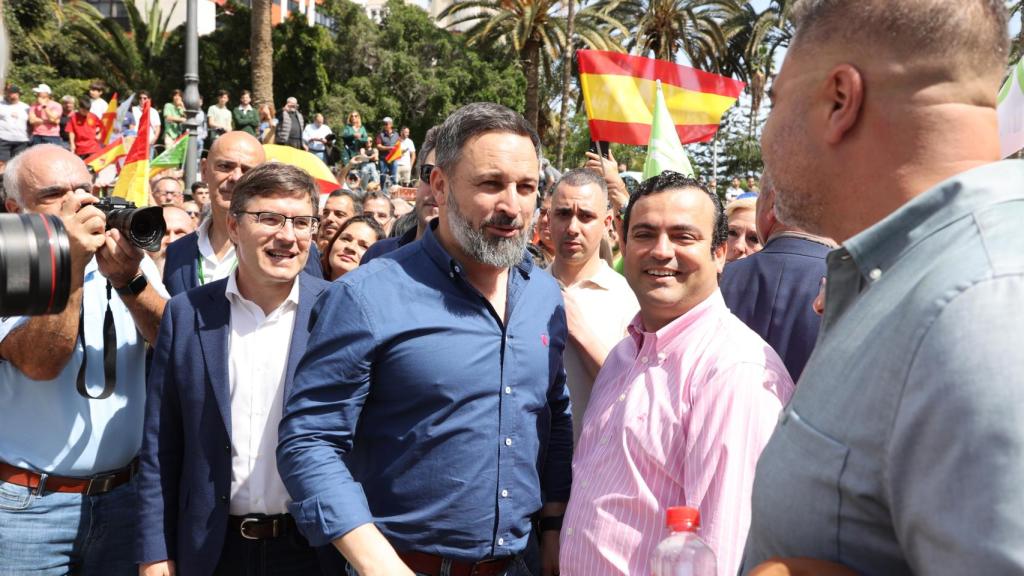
(1016, 8)
(753, 40)
(534, 32)
(261, 49)
(127, 57)
(563, 117)
(664, 27)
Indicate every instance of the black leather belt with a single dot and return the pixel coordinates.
(261, 527)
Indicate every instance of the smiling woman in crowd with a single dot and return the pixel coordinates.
(349, 244)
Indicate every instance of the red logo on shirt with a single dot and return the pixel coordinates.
(544, 339)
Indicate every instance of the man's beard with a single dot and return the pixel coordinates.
(497, 252)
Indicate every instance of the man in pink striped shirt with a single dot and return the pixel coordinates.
(682, 406)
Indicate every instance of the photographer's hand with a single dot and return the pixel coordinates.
(85, 224)
(119, 261)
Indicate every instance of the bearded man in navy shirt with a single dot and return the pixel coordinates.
(429, 418)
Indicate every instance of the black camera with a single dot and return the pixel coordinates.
(144, 227)
(35, 265)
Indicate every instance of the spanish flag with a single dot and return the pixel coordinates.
(107, 156)
(108, 120)
(620, 92)
(395, 153)
(133, 183)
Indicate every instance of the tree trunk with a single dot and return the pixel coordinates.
(563, 119)
(531, 67)
(261, 47)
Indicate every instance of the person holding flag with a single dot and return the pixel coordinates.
(390, 151)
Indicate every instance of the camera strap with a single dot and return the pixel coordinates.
(109, 353)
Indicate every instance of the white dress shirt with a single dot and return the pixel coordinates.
(608, 304)
(210, 268)
(257, 361)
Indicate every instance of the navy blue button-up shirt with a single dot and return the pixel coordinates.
(416, 408)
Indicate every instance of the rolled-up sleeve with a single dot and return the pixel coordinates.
(320, 417)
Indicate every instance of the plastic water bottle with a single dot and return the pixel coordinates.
(683, 553)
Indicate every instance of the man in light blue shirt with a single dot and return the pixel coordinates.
(70, 408)
(902, 451)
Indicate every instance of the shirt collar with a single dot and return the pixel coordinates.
(709, 308)
(232, 292)
(877, 248)
(445, 262)
(604, 278)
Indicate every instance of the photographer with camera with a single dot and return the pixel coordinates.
(73, 386)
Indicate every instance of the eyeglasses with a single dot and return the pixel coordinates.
(302, 225)
(192, 213)
(425, 171)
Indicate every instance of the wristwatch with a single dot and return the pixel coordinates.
(548, 523)
(135, 287)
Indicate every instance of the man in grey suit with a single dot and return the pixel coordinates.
(902, 450)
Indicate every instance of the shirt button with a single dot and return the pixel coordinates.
(568, 532)
(622, 397)
(501, 541)
(508, 441)
(875, 274)
(227, 448)
(458, 270)
(508, 389)
(451, 274)
(223, 498)
(644, 359)
(504, 493)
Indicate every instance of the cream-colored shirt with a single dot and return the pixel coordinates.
(212, 269)
(257, 360)
(608, 304)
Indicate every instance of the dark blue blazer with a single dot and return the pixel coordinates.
(772, 292)
(184, 477)
(181, 264)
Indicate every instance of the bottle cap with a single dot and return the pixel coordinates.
(682, 519)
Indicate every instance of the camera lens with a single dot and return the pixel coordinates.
(35, 265)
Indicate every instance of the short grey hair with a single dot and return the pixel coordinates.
(580, 177)
(473, 120)
(970, 34)
(12, 172)
(275, 180)
(429, 143)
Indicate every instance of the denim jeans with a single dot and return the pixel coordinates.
(47, 140)
(59, 533)
(388, 174)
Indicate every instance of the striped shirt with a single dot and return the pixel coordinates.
(677, 417)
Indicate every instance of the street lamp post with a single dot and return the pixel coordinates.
(191, 90)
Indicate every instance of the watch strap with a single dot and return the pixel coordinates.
(135, 287)
(549, 523)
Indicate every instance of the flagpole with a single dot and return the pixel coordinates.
(191, 91)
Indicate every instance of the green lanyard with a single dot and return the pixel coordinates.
(199, 268)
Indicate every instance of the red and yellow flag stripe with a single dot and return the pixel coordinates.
(619, 91)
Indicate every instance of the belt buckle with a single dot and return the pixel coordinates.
(100, 483)
(241, 528)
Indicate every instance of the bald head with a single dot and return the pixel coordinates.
(968, 38)
(231, 155)
(42, 174)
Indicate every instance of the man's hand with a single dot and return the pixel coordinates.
(800, 567)
(85, 225)
(549, 553)
(118, 259)
(573, 314)
(618, 195)
(161, 568)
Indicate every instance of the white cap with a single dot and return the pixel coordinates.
(41, 89)
(388, 120)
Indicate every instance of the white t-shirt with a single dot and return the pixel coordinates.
(14, 122)
(408, 147)
(98, 107)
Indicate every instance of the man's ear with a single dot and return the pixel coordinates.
(439, 186)
(845, 89)
(232, 228)
(11, 206)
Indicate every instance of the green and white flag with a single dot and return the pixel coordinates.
(1011, 112)
(664, 151)
(173, 157)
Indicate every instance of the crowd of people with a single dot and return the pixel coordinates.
(518, 372)
(76, 123)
